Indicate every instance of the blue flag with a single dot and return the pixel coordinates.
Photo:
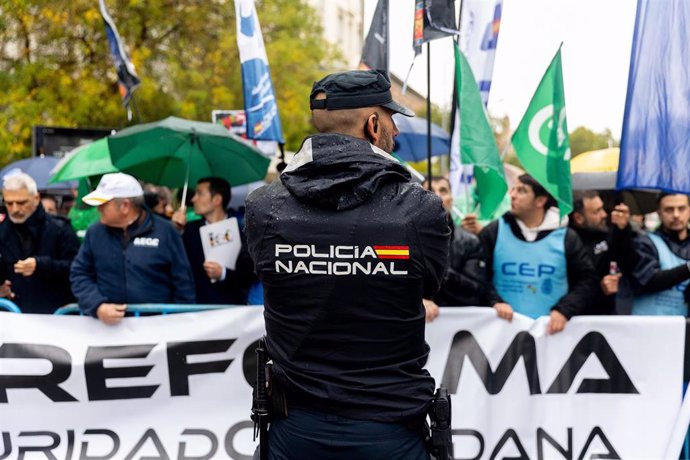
(127, 77)
(655, 151)
(263, 121)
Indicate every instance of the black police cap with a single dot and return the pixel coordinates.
(355, 89)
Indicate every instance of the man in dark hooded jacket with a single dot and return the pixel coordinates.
(36, 250)
(346, 247)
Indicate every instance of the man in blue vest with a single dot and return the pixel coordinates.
(538, 267)
(662, 272)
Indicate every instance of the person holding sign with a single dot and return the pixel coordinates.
(222, 268)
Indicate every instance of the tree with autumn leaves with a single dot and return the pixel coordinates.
(55, 67)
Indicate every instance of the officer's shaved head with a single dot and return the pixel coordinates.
(344, 121)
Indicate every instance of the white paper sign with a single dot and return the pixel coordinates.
(221, 242)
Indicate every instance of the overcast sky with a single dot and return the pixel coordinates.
(596, 36)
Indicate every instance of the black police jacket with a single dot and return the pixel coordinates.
(346, 248)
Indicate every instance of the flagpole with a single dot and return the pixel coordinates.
(134, 106)
(468, 193)
(428, 112)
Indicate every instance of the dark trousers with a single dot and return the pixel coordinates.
(307, 435)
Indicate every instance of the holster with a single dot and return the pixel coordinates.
(261, 402)
(440, 444)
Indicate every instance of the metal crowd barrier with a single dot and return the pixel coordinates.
(6, 304)
(151, 308)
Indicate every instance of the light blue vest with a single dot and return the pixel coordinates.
(670, 301)
(531, 277)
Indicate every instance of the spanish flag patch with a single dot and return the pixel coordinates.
(392, 252)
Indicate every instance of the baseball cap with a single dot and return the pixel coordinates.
(115, 185)
(355, 89)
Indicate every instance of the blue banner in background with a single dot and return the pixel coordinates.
(263, 120)
(655, 142)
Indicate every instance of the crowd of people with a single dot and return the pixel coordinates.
(529, 261)
(131, 255)
(349, 253)
(592, 262)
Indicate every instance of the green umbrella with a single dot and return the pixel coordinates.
(176, 152)
(92, 159)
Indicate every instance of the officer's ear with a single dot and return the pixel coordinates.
(371, 128)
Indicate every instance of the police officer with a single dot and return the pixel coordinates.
(538, 267)
(663, 268)
(346, 247)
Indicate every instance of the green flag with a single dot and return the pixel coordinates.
(477, 143)
(541, 139)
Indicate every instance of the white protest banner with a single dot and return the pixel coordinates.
(221, 242)
(163, 387)
(607, 386)
(176, 386)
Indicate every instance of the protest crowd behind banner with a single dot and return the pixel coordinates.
(560, 327)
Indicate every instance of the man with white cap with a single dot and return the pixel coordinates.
(130, 256)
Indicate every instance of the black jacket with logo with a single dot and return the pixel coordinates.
(49, 239)
(144, 264)
(346, 248)
(604, 247)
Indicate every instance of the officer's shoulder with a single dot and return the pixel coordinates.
(413, 189)
(266, 192)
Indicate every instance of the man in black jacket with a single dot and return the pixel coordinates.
(346, 247)
(537, 266)
(663, 269)
(215, 284)
(36, 250)
(465, 281)
(610, 247)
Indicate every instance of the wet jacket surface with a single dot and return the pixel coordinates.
(54, 244)
(145, 264)
(346, 248)
(582, 280)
